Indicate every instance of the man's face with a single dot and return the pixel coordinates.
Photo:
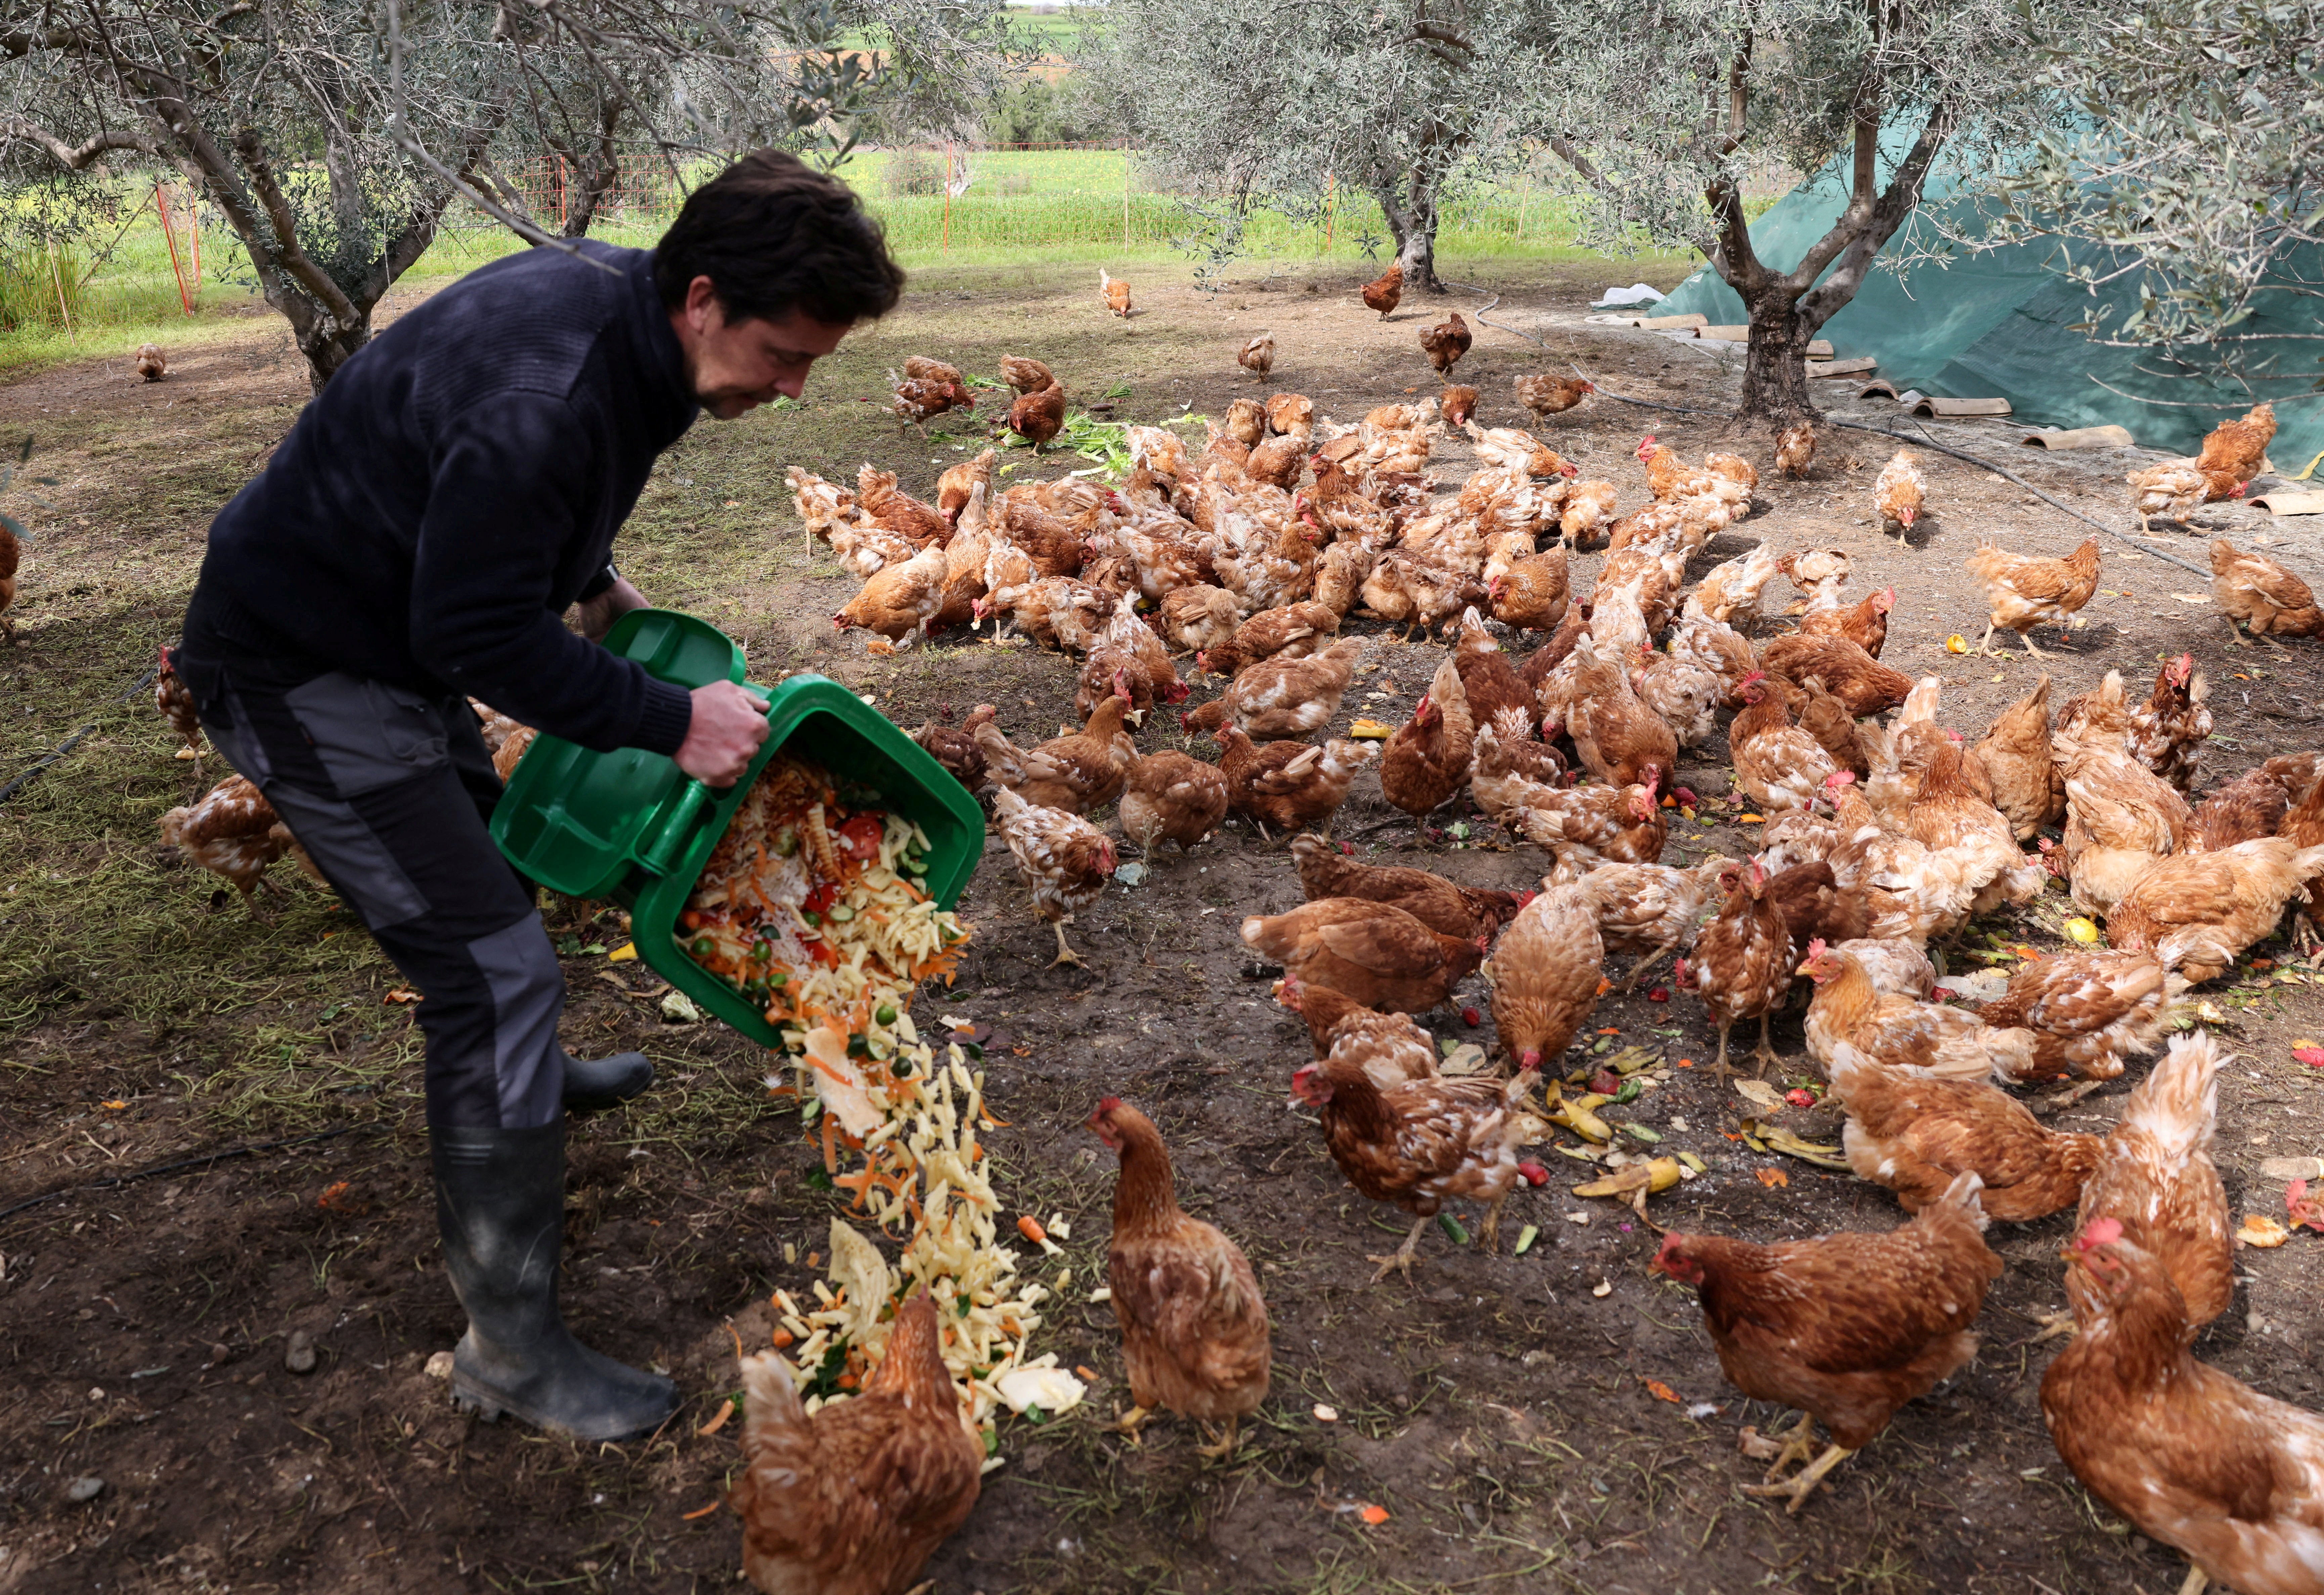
(738, 365)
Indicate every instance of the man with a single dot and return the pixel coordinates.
(415, 542)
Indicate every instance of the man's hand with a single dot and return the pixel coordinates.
(727, 727)
(599, 613)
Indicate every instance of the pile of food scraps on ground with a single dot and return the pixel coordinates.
(915, 1121)
(814, 904)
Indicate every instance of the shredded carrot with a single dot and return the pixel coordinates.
(738, 1339)
(1030, 1228)
(702, 1511)
(726, 1411)
(830, 1151)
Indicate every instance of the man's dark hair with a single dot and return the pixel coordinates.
(774, 236)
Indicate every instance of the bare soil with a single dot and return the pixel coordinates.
(225, 1115)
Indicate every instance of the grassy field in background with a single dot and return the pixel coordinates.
(1059, 207)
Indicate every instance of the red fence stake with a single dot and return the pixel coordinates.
(169, 232)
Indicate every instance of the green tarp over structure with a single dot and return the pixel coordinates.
(2001, 322)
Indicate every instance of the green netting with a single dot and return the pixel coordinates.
(2002, 323)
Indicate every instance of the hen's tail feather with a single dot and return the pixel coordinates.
(770, 1402)
(1963, 1195)
(2179, 1102)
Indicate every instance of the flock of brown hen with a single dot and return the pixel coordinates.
(1242, 561)
(1245, 557)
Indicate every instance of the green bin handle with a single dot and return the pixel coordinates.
(675, 829)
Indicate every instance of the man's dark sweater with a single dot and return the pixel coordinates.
(457, 486)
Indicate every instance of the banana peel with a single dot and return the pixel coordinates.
(1580, 1120)
(1776, 1139)
(1633, 1183)
(1630, 1060)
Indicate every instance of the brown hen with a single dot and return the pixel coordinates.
(1445, 343)
(1425, 762)
(1545, 971)
(2167, 731)
(2236, 451)
(2023, 592)
(1915, 1131)
(1383, 291)
(2028, 787)
(2265, 598)
(1444, 907)
(1421, 1144)
(1847, 1327)
(2157, 1179)
(1172, 797)
(1195, 1337)
(854, 1499)
(1375, 953)
(1289, 786)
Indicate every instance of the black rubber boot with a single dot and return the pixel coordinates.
(591, 1083)
(499, 1205)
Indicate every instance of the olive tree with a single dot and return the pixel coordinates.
(1679, 101)
(1257, 104)
(333, 134)
(2195, 167)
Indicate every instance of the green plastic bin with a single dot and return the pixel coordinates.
(632, 826)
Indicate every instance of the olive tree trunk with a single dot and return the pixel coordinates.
(1786, 310)
(1412, 223)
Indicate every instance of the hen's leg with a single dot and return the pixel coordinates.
(1986, 646)
(1719, 1063)
(1788, 1448)
(1646, 964)
(2054, 1325)
(1766, 1052)
(1401, 1258)
(2198, 1580)
(1489, 1233)
(1066, 954)
(1133, 1421)
(2304, 939)
(2236, 632)
(1798, 1489)
(1222, 1448)
(2027, 638)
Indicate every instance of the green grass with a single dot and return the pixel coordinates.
(1064, 207)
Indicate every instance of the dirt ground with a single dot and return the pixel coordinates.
(212, 1135)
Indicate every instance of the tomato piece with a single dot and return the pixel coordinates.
(820, 897)
(863, 834)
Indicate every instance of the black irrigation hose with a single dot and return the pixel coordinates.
(1479, 316)
(72, 741)
(199, 1161)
